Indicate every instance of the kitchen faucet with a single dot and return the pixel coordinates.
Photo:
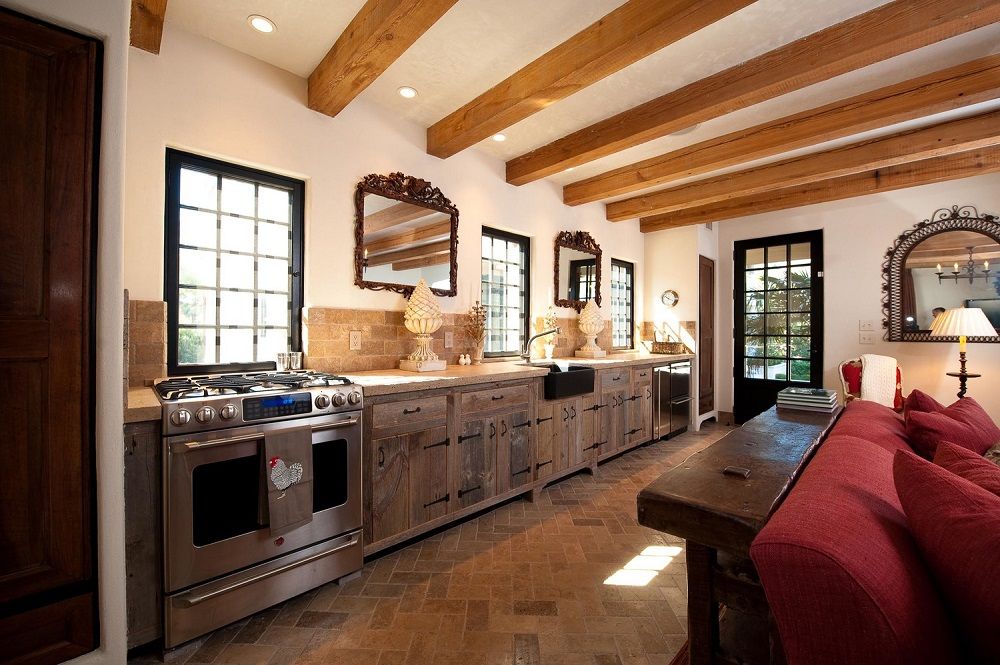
(527, 346)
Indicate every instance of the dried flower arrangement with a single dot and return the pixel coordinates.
(475, 330)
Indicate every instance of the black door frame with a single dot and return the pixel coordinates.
(764, 391)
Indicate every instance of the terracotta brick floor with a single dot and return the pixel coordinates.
(521, 585)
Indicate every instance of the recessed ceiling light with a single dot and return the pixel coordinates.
(407, 92)
(499, 138)
(260, 23)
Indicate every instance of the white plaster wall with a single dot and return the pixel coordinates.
(203, 97)
(856, 234)
(108, 21)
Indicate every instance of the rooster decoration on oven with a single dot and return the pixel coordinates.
(284, 476)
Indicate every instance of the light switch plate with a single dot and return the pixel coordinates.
(866, 338)
(355, 340)
(449, 339)
(866, 324)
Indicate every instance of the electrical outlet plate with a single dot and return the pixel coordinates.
(355, 340)
(866, 324)
(866, 338)
(449, 339)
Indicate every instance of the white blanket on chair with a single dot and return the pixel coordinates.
(878, 379)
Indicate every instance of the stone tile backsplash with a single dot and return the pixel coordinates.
(147, 341)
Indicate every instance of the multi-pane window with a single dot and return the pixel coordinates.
(777, 316)
(233, 277)
(505, 260)
(622, 311)
(583, 279)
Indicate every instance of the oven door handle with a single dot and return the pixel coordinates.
(189, 446)
(197, 599)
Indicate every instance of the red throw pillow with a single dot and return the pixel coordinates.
(957, 528)
(967, 464)
(963, 423)
(918, 400)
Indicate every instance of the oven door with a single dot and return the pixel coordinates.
(215, 503)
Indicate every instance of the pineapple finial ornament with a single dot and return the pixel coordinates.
(422, 318)
(591, 324)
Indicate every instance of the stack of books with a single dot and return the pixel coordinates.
(808, 399)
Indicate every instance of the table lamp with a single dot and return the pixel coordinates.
(962, 322)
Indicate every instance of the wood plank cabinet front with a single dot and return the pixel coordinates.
(475, 472)
(517, 441)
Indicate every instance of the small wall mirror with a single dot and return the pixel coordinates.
(945, 262)
(577, 270)
(404, 230)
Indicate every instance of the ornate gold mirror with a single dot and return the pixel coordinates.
(577, 270)
(404, 230)
(944, 262)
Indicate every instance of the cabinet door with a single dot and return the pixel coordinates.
(547, 432)
(612, 421)
(569, 439)
(635, 405)
(428, 461)
(647, 412)
(516, 438)
(143, 532)
(588, 431)
(476, 472)
(390, 473)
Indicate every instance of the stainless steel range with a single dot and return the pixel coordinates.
(223, 559)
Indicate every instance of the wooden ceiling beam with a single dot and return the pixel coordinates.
(886, 31)
(922, 172)
(411, 253)
(628, 34)
(409, 236)
(146, 24)
(395, 215)
(944, 138)
(374, 39)
(410, 264)
(955, 87)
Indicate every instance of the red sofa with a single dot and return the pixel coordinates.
(843, 577)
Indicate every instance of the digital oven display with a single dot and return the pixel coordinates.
(275, 406)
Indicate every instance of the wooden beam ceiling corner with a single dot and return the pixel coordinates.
(411, 253)
(921, 172)
(410, 264)
(373, 40)
(965, 84)
(943, 138)
(145, 28)
(626, 35)
(884, 32)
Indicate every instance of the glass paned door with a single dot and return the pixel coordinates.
(778, 318)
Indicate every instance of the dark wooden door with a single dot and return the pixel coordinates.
(778, 318)
(47, 126)
(706, 334)
(390, 473)
(477, 449)
(516, 438)
(428, 458)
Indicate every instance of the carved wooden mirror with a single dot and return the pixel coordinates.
(404, 230)
(577, 270)
(944, 262)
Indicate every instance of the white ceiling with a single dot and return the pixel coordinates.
(480, 42)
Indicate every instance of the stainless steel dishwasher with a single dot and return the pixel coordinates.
(671, 399)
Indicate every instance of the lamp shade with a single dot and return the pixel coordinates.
(962, 322)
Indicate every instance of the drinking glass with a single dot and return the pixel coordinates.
(281, 360)
(295, 360)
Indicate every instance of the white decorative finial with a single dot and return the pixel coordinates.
(591, 324)
(422, 318)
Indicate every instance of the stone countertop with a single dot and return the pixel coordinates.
(624, 359)
(142, 406)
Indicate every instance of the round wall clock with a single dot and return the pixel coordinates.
(669, 298)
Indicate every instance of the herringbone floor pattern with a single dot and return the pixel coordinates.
(521, 585)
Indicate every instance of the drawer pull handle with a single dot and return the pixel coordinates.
(541, 464)
(496, 397)
(436, 445)
(407, 412)
(633, 431)
(522, 471)
(539, 421)
(466, 437)
(493, 430)
(565, 414)
(435, 501)
(642, 374)
(596, 445)
(526, 423)
(462, 493)
(616, 378)
(381, 458)
(574, 412)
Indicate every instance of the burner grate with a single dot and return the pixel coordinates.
(231, 384)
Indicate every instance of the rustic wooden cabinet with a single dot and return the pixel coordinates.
(548, 457)
(51, 100)
(515, 448)
(476, 460)
(639, 422)
(589, 437)
(143, 532)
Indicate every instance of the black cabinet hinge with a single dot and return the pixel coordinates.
(446, 497)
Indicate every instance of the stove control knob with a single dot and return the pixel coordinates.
(180, 417)
(339, 399)
(205, 414)
(228, 412)
(322, 401)
(354, 397)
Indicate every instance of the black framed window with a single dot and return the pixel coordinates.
(233, 265)
(505, 287)
(582, 279)
(622, 304)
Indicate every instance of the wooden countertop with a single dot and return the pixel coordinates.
(142, 406)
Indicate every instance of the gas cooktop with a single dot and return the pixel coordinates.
(198, 387)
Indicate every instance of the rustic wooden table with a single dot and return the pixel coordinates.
(719, 514)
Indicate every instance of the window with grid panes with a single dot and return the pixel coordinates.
(504, 291)
(233, 275)
(583, 279)
(622, 313)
